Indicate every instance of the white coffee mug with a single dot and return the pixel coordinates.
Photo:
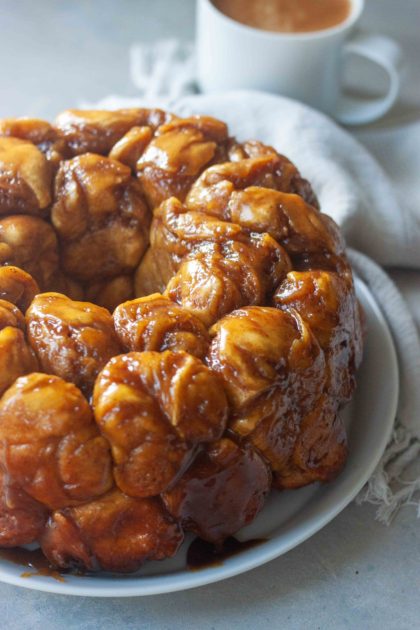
(304, 66)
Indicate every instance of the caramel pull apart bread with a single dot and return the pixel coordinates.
(178, 333)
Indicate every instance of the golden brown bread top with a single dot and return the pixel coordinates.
(71, 339)
(238, 314)
(31, 244)
(16, 357)
(274, 372)
(176, 232)
(211, 128)
(100, 217)
(254, 149)
(155, 408)
(212, 190)
(33, 130)
(17, 286)
(10, 315)
(211, 284)
(25, 178)
(131, 146)
(286, 217)
(97, 131)
(328, 305)
(156, 323)
(256, 349)
(41, 134)
(50, 445)
(177, 155)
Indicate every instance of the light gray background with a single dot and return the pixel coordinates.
(355, 573)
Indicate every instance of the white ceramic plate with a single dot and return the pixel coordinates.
(288, 518)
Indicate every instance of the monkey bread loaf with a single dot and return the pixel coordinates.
(178, 334)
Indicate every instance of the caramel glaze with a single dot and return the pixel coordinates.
(221, 492)
(202, 554)
(34, 559)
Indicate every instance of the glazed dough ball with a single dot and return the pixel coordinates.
(50, 446)
(17, 286)
(217, 279)
(177, 155)
(328, 305)
(22, 519)
(256, 349)
(100, 217)
(71, 339)
(210, 286)
(25, 178)
(111, 293)
(295, 182)
(286, 217)
(273, 372)
(221, 492)
(31, 244)
(320, 450)
(112, 533)
(176, 233)
(40, 133)
(16, 356)
(212, 190)
(10, 315)
(131, 146)
(97, 131)
(155, 408)
(156, 323)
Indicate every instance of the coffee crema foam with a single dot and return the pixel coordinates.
(286, 16)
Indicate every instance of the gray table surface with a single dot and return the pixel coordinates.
(355, 573)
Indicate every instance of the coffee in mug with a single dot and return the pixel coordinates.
(295, 48)
(286, 16)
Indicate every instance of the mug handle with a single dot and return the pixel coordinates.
(387, 54)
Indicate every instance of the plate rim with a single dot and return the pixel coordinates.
(249, 559)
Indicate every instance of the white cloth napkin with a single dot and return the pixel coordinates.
(352, 188)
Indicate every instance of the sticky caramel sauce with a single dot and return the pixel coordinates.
(34, 559)
(202, 554)
(286, 16)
